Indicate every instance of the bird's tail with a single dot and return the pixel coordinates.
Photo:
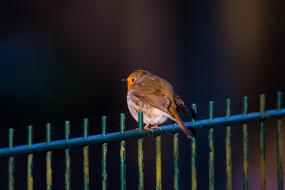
(179, 121)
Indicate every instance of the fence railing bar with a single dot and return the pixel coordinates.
(104, 155)
(158, 168)
(262, 144)
(117, 136)
(176, 161)
(67, 175)
(85, 156)
(228, 148)
(193, 158)
(11, 162)
(245, 145)
(48, 159)
(279, 144)
(211, 149)
(30, 179)
(140, 154)
(122, 154)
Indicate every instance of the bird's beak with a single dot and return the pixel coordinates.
(124, 80)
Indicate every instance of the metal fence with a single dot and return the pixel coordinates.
(29, 150)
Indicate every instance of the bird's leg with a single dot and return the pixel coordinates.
(147, 127)
(155, 127)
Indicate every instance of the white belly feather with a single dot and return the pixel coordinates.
(151, 115)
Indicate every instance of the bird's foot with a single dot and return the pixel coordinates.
(155, 127)
(147, 127)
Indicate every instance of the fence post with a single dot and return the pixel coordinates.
(104, 156)
(122, 154)
(245, 145)
(85, 156)
(279, 144)
(30, 179)
(67, 176)
(11, 163)
(262, 144)
(211, 149)
(228, 147)
(193, 157)
(140, 155)
(48, 159)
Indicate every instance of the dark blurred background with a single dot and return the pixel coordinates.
(64, 60)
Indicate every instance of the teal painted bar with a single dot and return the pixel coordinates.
(279, 144)
(245, 145)
(194, 157)
(262, 145)
(140, 154)
(104, 156)
(30, 179)
(11, 162)
(176, 161)
(67, 176)
(85, 156)
(48, 159)
(122, 154)
(211, 149)
(158, 168)
(228, 148)
(118, 136)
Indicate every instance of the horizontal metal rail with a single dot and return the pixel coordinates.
(118, 136)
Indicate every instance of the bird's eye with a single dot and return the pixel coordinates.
(133, 80)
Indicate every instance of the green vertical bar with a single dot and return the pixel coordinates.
(11, 163)
(30, 160)
(104, 156)
(211, 150)
(193, 158)
(140, 155)
(262, 145)
(279, 144)
(48, 159)
(85, 156)
(67, 157)
(176, 161)
(158, 169)
(245, 145)
(122, 154)
(228, 147)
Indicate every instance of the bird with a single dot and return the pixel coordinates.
(156, 99)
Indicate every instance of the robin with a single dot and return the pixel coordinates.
(156, 98)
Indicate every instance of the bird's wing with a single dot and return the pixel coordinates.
(179, 102)
(150, 93)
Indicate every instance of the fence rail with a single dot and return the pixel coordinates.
(229, 120)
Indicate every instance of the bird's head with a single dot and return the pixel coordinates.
(132, 78)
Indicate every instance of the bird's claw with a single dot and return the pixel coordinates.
(155, 127)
